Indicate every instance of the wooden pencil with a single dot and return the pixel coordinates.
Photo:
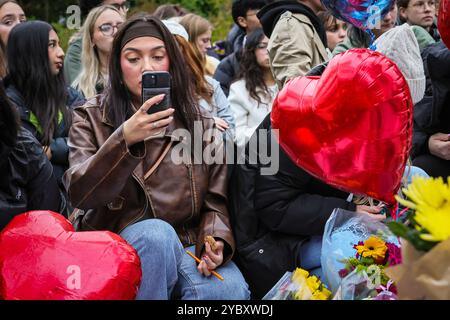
(198, 260)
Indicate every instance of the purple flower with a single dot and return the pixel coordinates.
(343, 273)
(394, 255)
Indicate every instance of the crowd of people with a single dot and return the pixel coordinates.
(76, 137)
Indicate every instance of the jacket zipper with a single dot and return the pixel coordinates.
(194, 194)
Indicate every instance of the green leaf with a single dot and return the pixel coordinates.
(367, 261)
(399, 229)
(411, 235)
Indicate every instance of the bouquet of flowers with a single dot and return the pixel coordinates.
(345, 229)
(425, 269)
(363, 276)
(299, 285)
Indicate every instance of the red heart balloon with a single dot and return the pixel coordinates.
(444, 21)
(351, 127)
(42, 258)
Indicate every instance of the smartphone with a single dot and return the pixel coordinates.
(153, 84)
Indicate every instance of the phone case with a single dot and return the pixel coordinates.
(148, 93)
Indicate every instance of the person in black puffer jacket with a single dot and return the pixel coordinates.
(431, 142)
(278, 220)
(27, 181)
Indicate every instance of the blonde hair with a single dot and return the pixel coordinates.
(196, 26)
(91, 74)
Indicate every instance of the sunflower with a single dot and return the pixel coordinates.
(430, 198)
(374, 248)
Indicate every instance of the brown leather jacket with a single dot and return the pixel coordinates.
(113, 186)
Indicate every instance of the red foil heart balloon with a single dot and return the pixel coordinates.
(444, 21)
(351, 127)
(42, 258)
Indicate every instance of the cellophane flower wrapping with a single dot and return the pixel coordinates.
(298, 285)
(344, 229)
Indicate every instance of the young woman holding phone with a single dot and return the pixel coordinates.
(122, 177)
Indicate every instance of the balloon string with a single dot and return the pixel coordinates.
(372, 40)
(402, 212)
(394, 212)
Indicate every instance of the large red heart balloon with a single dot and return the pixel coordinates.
(351, 127)
(444, 21)
(42, 258)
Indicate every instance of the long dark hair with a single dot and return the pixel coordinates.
(29, 72)
(358, 37)
(9, 125)
(117, 101)
(250, 70)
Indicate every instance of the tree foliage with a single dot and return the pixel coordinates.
(218, 12)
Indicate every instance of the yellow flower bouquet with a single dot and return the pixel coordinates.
(299, 285)
(309, 287)
(425, 269)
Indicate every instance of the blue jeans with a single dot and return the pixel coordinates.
(168, 272)
(309, 257)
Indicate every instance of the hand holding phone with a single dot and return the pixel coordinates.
(153, 84)
(142, 125)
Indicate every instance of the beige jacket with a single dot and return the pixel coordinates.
(294, 47)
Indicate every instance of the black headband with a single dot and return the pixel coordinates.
(141, 29)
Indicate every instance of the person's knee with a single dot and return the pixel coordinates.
(236, 290)
(152, 233)
(234, 287)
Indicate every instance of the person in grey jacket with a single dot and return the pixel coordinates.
(220, 108)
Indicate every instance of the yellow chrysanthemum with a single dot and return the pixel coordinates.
(299, 273)
(430, 192)
(326, 292)
(323, 294)
(313, 283)
(309, 287)
(374, 248)
(435, 221)
(431, 200)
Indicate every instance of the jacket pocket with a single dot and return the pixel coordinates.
(267, 258)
